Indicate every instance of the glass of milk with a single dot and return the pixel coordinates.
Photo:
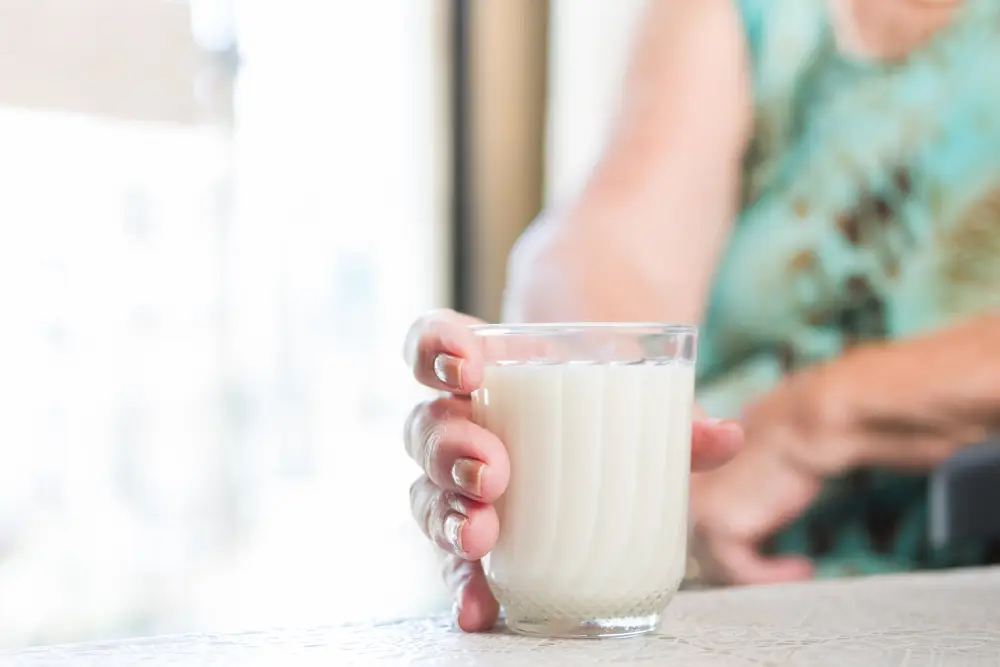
(596, 419)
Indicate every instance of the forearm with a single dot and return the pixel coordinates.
(640, 244)
(642, 240)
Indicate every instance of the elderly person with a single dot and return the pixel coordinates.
(817, 182)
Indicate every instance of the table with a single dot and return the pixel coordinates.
(910, 620)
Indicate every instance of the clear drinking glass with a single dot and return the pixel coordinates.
(596, 419)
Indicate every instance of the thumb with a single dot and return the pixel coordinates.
(476, 610)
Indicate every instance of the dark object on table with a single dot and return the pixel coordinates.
(965, 496)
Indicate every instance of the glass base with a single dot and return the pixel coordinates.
(596, 628)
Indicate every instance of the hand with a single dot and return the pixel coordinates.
(466, 467)
(766, 486)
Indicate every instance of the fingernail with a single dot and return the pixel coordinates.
(448, 370)
(454, 523)
(468, 476)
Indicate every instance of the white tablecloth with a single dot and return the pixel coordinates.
(912, 620)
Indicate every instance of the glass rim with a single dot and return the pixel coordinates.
(659, 328)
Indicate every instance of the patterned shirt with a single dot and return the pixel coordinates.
(870, 211)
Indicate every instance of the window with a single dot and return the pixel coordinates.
(203, 312)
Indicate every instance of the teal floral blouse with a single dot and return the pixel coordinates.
(870, 210)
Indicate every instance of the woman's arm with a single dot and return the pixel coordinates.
(908, 404)
(642, 240)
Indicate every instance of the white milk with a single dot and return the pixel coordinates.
(594, 521)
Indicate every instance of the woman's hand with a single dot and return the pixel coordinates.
(905, 405)
(796, 437)
(465, 467)
(736, 508)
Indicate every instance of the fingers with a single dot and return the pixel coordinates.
(918, 452)
(456, 524)
(714, 443)
(456, 454)
(476, 609)
(741, 564)
(443, 353)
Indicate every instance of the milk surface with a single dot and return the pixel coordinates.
(594, 521)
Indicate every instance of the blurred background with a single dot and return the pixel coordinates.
(217, 220)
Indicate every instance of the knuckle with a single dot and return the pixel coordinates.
(432, 319)
(438, 316)
(418, 501)
(433, 518)
(435, 328)
(426, 507)
(426, 352)
(434, 433)
(410, 426)
(413, 340)
(429, 425)
(419, 341)
(424, 428)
